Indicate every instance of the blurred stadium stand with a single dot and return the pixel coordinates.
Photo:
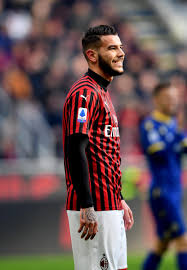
(40, 57)
(174, 14)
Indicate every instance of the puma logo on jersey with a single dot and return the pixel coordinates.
(84, 97)
(111, 131)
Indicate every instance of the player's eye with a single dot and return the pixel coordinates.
(111, 47)
(115, 48)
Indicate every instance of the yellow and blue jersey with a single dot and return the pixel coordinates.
(163, 145)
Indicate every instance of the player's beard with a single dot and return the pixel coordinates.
(174, 112)
(106, 68)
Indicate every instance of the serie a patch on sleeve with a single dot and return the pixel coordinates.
(82, 115)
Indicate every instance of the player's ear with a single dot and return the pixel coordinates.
(91, 55)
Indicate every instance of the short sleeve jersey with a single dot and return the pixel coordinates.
(160, 135)
(88, 110)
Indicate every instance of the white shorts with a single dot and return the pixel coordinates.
(108, 250)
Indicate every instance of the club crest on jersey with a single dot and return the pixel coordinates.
(82, 115)
(104, 263)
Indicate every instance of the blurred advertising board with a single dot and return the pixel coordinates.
(32, 206)
(33, 218)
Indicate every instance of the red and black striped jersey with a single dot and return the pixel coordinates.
(88, 110)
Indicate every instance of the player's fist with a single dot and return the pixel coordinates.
(88, 223)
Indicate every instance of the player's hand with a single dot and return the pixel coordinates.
(128, 215)
(88, 223)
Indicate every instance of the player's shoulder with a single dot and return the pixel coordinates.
(83, 84)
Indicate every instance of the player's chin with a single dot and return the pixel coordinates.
(118, 71)
(173, 111)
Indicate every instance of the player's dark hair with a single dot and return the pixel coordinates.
(92, 37)
(160, 87)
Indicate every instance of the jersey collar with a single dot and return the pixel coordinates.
(100, 80)
(161, 117)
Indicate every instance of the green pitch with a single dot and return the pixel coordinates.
(65, 262)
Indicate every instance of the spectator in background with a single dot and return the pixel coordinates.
(16, 83)
(34, 138)
(40, 57)
(7, 146)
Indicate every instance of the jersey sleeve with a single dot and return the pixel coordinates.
(83, 108)
(150, 138)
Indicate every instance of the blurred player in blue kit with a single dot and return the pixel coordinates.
(164, 144)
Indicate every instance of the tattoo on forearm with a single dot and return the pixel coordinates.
(90, 214)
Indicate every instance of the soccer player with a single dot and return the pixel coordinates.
(164, 144)
(91, 140)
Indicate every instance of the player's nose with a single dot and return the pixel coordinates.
(121, 53)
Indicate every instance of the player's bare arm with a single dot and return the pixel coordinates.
(128, 215)
(88, 223)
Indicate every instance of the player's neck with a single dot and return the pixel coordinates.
(101, 73)
(161, 116)
(99, 79)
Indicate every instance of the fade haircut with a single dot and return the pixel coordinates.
(160, 87)
(92, 38)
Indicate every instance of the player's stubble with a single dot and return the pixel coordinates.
(106, 68)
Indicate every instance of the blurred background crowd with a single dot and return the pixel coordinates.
(40, 57)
